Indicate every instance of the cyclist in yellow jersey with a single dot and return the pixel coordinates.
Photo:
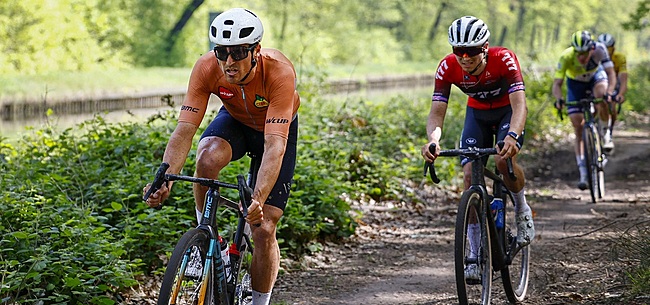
(620, 67)
(587, 68)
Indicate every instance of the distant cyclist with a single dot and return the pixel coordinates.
(496, 111)
(257, 87)
(587, 68)
(620, 67)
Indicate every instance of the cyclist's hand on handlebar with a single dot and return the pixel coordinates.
(619, 98)
(510, 148)
(559, 104)
(157, 197)
(255, 213)
(427, 155)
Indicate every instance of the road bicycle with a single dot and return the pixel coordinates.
(196, 274)
(592, 145)
(498, 250)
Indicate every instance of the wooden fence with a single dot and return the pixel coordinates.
(10, 111)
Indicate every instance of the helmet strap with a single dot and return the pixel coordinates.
(253, 64)
(483, 61)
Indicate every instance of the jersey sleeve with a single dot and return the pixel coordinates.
(196, 99)
(283, 100)
(513, 71)
(442, 84)
(562, 64)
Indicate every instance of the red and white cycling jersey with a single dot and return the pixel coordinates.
(490, 89)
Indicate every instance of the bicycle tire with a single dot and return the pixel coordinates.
(188, 289)
(243, 292)
(596, 164)
(588, 148)
(515, 275)
(469, 207)
(600, 168)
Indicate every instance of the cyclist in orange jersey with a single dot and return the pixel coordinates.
(257, 87)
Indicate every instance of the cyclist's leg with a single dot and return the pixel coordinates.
(576, 91)
(266, 256)
(599, 89)
(474, 134)
(220, 143)
(524, 215)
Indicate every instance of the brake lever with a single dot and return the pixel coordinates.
(428, 166)
(158, 181)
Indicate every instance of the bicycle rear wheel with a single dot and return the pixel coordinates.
(588, 142)
(472, 290)
(185, 282)
(516, 273)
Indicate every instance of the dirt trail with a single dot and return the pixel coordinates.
(404, 254)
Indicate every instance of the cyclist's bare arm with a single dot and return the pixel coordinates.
(517, 123)
(434, 129)
(611, 80)
(178, 147)
(267, 176)
(557, 88)
(622, 77)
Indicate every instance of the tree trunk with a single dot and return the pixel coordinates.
(187, 14)
(432, 31)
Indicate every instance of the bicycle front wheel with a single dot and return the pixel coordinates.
(515, 275)
(591, 159)
(243, 292)
(473, 258)
(185, 281)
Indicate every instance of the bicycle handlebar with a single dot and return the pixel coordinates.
(245, 192)
(472, 153)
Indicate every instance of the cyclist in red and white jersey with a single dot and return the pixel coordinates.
(257, 87)
(496, 111)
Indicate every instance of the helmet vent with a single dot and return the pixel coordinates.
(245, 32)
(213, 29)
(229, 22)
(226, 34)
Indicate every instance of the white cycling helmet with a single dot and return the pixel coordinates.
(468, 31)
(235, 27)
(607, 39)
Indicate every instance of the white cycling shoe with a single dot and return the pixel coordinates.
(525, 228)
(472, 274)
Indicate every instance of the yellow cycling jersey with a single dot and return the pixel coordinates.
(620, 62)
(569, 66)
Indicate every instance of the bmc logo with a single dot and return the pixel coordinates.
(225, 94)
(188, 108)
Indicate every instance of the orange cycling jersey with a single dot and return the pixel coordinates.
(268, 103)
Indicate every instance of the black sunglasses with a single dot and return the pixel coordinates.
(467, 51)
(237, 52)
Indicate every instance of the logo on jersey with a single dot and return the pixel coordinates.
(466, 77)
(225, 93)
(505, 126)
(509, 60)
(276, 121)
(470, 141)
(441, 69)
(260, 101)
(190, 109)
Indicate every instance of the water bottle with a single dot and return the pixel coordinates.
(225, 256)
(497, 211)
